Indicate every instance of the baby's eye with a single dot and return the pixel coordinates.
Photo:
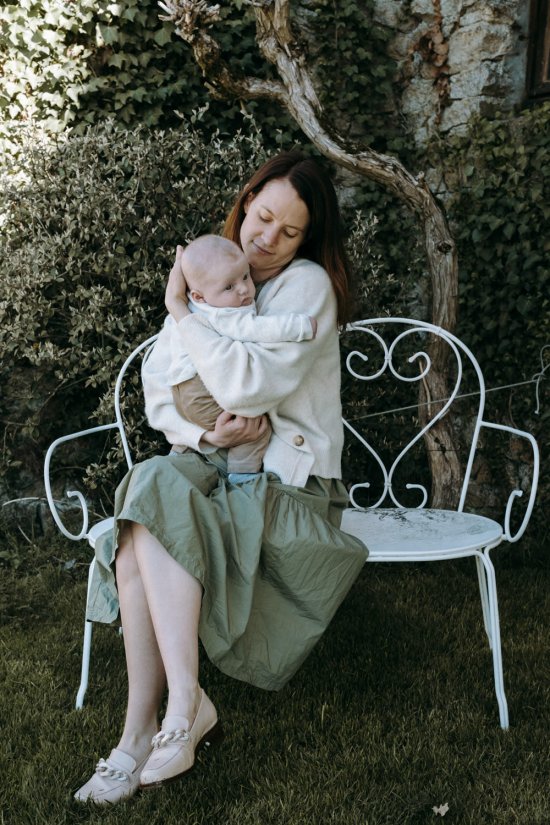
(245, 277)
(229, 287)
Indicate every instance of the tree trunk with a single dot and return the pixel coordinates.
(295, 91)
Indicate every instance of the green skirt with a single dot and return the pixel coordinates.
(271, 558)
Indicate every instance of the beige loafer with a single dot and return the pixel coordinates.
(115, 779)
(175, 746)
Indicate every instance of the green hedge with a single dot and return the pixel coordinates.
(90, 226)
(75, 64)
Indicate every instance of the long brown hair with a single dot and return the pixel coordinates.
(323, 242)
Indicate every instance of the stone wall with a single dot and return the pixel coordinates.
(455, 58)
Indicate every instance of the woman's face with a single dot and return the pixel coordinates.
(275, 226)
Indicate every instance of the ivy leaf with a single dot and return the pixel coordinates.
(107, 34)
(49, 36)
(162, 36)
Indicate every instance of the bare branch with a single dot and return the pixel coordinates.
(275, 23)
(191, 18)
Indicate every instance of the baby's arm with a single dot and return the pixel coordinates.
(241, 325)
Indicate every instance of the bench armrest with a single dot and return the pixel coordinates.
(75, 494)
(519, 493)
(118, 424)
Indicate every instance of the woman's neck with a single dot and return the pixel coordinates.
(262, 276)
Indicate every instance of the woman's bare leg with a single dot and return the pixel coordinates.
(146, 675)
(174, 600)
(159, 606)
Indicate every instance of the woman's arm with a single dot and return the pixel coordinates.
(159, 404)
(250, 378)
(230, 430)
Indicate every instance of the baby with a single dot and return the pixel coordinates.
(220, 286)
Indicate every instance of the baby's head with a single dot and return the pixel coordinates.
(217, 272)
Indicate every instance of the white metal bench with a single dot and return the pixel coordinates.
(402, 531)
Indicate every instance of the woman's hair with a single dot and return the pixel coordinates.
(323, 242)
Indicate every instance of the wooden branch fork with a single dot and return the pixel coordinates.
(295, 91)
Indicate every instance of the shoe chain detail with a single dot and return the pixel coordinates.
(163, 738)
(104, 769)
(177, 743)
(114, 779)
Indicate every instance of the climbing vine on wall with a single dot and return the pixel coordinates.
(73, 64)
(498, 176)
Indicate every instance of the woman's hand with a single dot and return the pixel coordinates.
(176, 290)
(233, 430)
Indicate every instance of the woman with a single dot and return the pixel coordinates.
(256, 569)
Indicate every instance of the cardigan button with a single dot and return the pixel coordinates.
(298, 440)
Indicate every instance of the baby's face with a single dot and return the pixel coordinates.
(230, 286)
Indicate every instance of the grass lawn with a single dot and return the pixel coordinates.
(393, 714)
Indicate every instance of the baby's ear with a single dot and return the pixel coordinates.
(197, 296)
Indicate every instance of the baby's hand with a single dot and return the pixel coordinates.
(313, 326)
(234, 430)
(176, 290)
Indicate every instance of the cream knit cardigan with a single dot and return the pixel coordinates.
(298, 384)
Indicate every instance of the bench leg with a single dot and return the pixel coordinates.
(490, 588)
(484, 598)
(86, 647)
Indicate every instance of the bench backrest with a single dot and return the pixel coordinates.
(397, 351)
